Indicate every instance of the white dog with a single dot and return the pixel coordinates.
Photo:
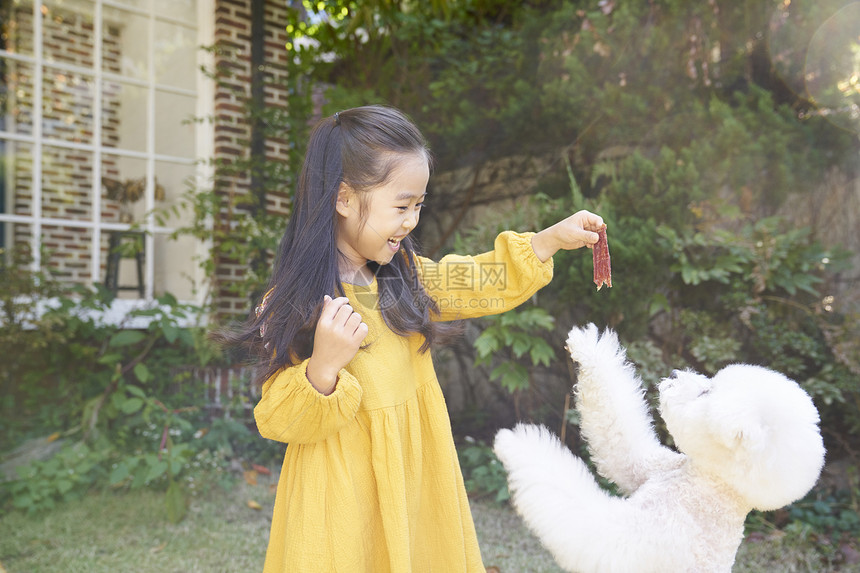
(748, 438)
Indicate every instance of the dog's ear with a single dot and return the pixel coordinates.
(742, 432)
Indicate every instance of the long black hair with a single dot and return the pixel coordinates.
(360, 147)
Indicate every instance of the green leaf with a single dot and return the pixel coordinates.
(142, 372)
(156, 470)
(544, 320)
(175, 466)
(659, 302)
(688, 275)
(175, 502)
(186, 337)
(486, 344)
(126, 338)
(170, 333)
(119, 473)
(521, 344)
(131, 405)
(541, 353)
(167, 299)
(139, 479)
(135, 391)
(512, 376)
(503, 495)
(110, 358)
(146, 312)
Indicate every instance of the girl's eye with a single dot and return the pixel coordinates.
(404, 208)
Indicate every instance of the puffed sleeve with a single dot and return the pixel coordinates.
(485, 284)
(291, 410)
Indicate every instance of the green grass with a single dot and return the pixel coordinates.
(129, 532)
(507, 544)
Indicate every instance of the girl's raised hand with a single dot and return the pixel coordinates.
(578, 230)
(337, 338)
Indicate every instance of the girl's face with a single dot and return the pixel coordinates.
(392, 212)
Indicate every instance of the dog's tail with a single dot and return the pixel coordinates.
(557, 496)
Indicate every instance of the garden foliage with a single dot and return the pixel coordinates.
(685, 125)
(118, 398)
(675, 122)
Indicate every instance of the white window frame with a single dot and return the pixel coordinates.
(204, 94)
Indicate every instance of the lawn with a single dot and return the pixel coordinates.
(128, 532)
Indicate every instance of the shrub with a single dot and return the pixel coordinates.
(118, 398)
(483, 473)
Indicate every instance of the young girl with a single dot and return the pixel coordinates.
(370, 481)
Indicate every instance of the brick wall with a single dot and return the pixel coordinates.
(232, 131)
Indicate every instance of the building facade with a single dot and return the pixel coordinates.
(108, 120)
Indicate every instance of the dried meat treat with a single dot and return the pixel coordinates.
(600, 254)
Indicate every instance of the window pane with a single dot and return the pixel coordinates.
(123, 268)
(125, 43)
(184, 10)
(124, 116)
(16, 240)
(175, 56)
(123, 189)
(16, 27)
(67, 26)
(67, 183)
(175, 266)
(67, 106)
(112, 52)
(131, 64)
(67, 252)
(17, 183)
(174, 133)
(16, 97)
(175, 180)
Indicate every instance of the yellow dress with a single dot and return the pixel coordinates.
(370, 481)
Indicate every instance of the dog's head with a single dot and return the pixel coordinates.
(751, 426)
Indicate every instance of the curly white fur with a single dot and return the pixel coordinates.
(748, 439)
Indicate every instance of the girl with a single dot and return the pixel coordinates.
(370, 481)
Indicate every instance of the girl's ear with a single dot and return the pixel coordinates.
(347, 202)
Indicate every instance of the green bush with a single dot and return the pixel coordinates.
(513, 336)
(65, 476)
(483, 473)
(120, 400)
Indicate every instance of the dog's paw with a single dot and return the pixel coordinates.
(512, 444)
(587, 345)
(582, 340)
(525, 447)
